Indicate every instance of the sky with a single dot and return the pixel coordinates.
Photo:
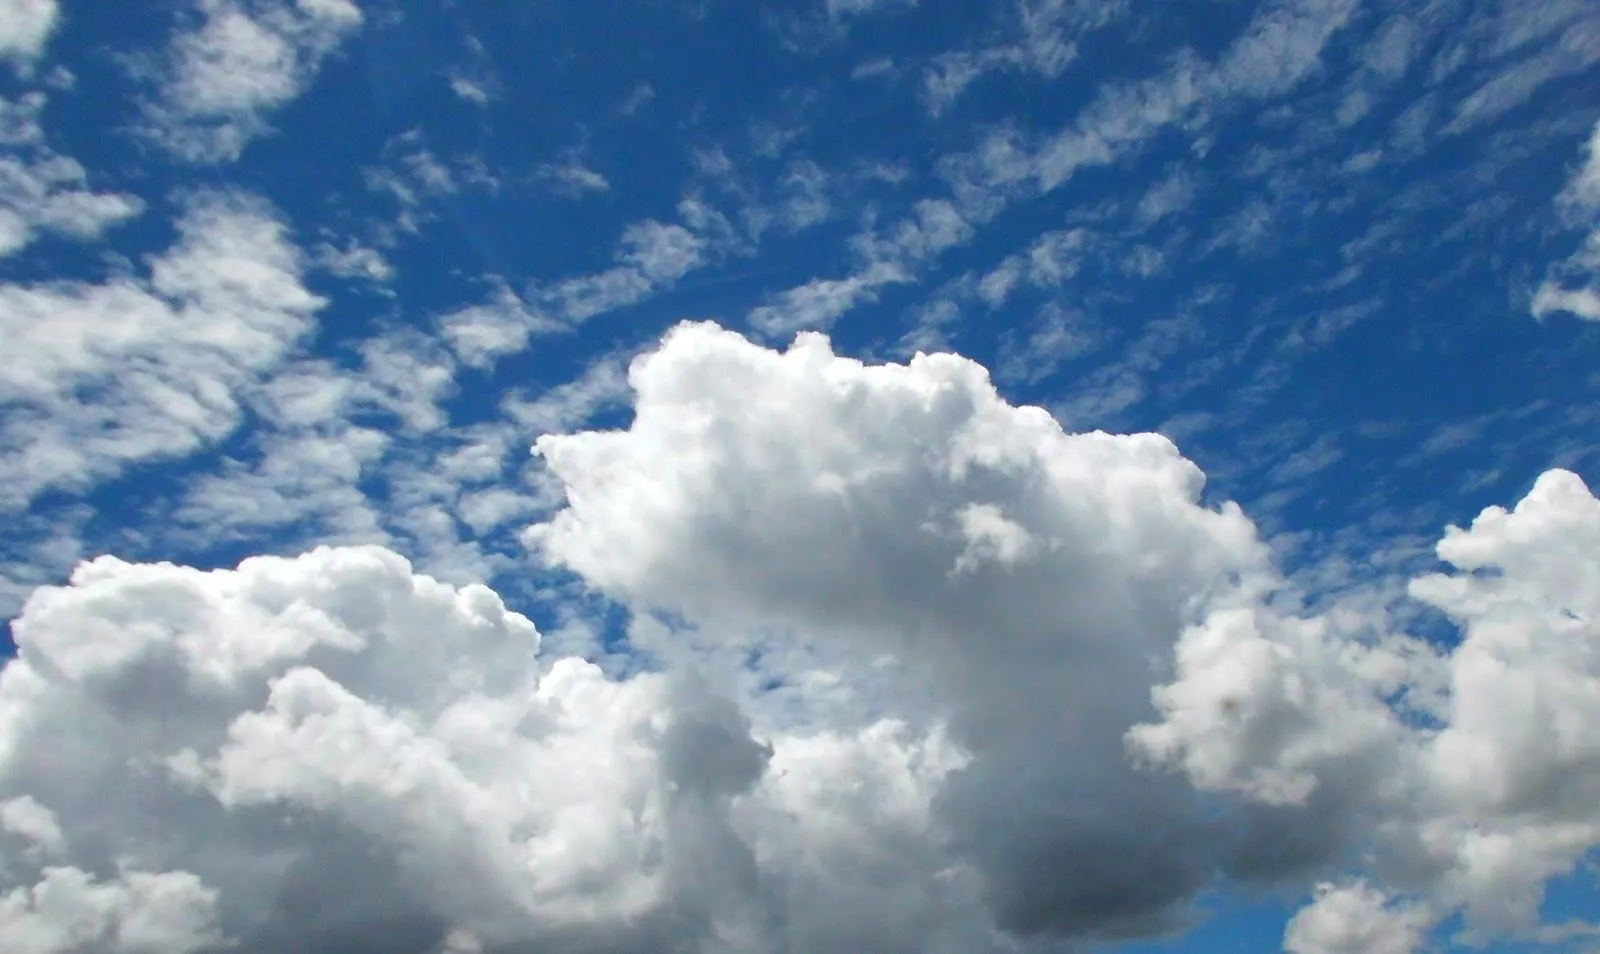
(714, 476)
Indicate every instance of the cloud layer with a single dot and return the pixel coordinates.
(920, 672)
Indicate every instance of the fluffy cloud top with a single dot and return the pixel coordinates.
(918, 661)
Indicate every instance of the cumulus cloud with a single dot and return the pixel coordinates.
(891, 512)
(26, 26)
(1355, 919)
(1487, 789)
(908, 513)
(237, 63)
(913, 669)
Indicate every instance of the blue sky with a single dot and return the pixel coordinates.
(278, 275)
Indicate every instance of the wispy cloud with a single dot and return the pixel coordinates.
(650, 256)
(1039, 37)
(1523, 50)
(498, 326)
(42, 191)
(1574, 284)
(223, 77)
(99, 376)
(572, 178)
(843, 9)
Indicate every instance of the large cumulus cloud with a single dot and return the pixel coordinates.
(1025, 583)
(911, 669)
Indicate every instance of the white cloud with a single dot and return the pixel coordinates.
(332, 747)
(1278, 50)
(650, 256)
(572, 178)
(354, 261)
(296, 478)
(34, 823)
(1551, 299)
(1476, 814)
(44, 192)
(101, 376)
(842, 9)
(887, 258)
(603, 385)
(895, 512)
(416, 177)
(240, 62)
(325, 435)
(909, 650)
(662, 253)
(26, 26)
(1582, 194)
(502, 325)
(1041, 38)
(820, 302)
(1355, 919)
(805, 186)
(69, 911)
(896, 501)
(1574, 285)
(1528, 48)
(470, 90)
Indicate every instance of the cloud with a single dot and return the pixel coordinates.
(891, 512)
(1574, 284)
(26, 26)
(1581, 302)
(1488, 784)
(914, 669)
(501, 325)
(293, 479)
(44, 192)
(470, 90)
(887, 258)
(98, 376)
(903, 508)
(1526, 50)
(354, 261)
(331, 750)
(843, 9)
(140, 912)
(572, 178)
(821, 302)
(1355, 919)
(1041, 38)
(1278, 50)
(650, 256)
(324, 435)
(241, 61)
(805, 186)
